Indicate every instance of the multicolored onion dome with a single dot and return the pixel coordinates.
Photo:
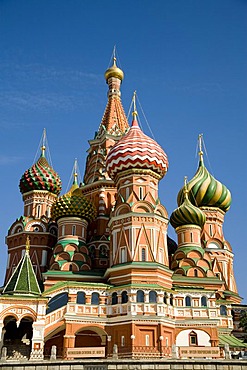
(73, 204)
(187, 214)
(206, 191)
(114, 71)
(40, 176)
(136, 150)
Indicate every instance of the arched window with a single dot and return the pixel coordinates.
(223, 310)
(188, 301)
(152, 296)
(171, 299)
(140, 296)
(165, 298)
(95, 298)
(57, 301)
(124, 297)
(193, 339)
(38, 211)
(204, 301)
(114, 298)
(195, 273)
(81, 298)
(143, 254)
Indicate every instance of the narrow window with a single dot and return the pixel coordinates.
(193, 339)
(223, 310)
(48, 212)
(152, 296)
(95, 298)
(81, 298)
(114, 298)
(140, 296)
(147, 342)
(123, 255)
(143, 254)
(28, 210)
(127, 193)
(63, 230)
(122, 341)
(44, 258)
(171, 299)
(191, 237)
(83, 232)
(38, 211)
(73, 230)
(141, 193)
(210, 230)
(124, 297)
(204, 301)
(195, 273)
(188, 301)
(165, 298)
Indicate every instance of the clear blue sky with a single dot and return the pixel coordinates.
(187, 59)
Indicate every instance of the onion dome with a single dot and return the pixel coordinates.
(136, 150)
(114, 71)
(205, 190)
(40, 176)
(187, 214)
(73, 204)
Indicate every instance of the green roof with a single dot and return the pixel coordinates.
(231, 340)
(23, 280)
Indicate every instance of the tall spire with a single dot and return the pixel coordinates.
(134, 113)
(114, 121)
(23, 281)
(43, 147)
(200, 153)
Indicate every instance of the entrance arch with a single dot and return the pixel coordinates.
(18, 338)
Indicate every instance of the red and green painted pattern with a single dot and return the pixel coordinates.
(187, 214)
(40, 177)
(74, 204)
(136, 150)
(205, 190)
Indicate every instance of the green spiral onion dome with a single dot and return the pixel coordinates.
(205, 190)
(73, 204)
(40, 176)
(187, 214)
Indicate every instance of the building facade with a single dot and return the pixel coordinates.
(94, 272)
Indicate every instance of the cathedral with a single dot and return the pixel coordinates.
(93, 273)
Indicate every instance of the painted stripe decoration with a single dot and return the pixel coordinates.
(205, 190)
(136, 150)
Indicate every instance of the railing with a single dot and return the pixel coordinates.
(142, 352)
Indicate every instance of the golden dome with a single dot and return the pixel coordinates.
(114, 71)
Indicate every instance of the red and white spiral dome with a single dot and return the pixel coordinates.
(136, 150)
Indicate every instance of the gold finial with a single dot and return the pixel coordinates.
(200, 147)
(75, 172)
(114, 71)
(186, 191)
(27, 245)
(43, 143)
(134, 113)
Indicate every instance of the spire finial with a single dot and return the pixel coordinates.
(114, 55)
(27, 245)
(75, 173)
(200, 147)
(186, 186)
(134, 113)
(43, 147)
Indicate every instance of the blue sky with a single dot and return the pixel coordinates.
(186, 59)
